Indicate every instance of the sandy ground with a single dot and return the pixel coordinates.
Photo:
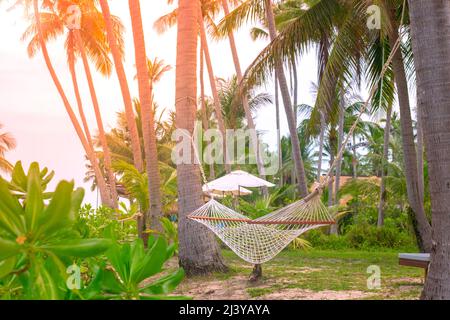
(235, 288)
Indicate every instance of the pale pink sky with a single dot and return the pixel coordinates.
(31, 109)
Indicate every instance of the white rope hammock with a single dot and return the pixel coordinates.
(259, 240)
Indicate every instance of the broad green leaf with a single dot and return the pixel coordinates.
(56, 215)
(165, 284)
(10, 211)
(19, 178)
(171, 250)
(77, 199)
(34, 203)
(79, 248)
(41, 284)
(137, 257)
(6, 266)
(8, 248)
(153, 261)
(103, 282)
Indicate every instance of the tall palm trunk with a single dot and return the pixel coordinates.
(148, 118)
(330, 193)
(102, 187)
(126, 96)
(340, 141)
(277, 116)
(204, 111)
(198, 250)
(248, 114)
(420, 155)
(355, 158)
(384, 162)
(212, 82)
(295, 91)
(409, 148)
(430, 25)
(296, 151)
(321, 142)
(98, 118)
(97, 172)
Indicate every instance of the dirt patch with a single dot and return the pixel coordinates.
(301, 294)
(231, 289)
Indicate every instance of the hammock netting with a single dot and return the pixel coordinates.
(259, 240)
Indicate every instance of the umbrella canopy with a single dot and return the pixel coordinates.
(234, 183)
(231, 190)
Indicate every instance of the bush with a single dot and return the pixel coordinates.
(322, 241)
(365, 236)
(92, 222)
(362, 236)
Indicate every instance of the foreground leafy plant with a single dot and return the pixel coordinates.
(37, 240)
(132, 271)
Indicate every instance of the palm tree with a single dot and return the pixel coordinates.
(245, 104)
(198, 250)
(156, 69)
(207, 11)
(105, 195)
(234, 117)
(346, 21)
(427, 21)
(116, 46)
(7, 143)
(263, 10)
(89, 34)
(148, 118)
(409, 147)
(291, 117)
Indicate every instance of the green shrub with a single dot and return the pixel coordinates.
(38, 240)
(320, 240)
(92, 222)
(365, 236)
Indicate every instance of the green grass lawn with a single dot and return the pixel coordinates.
(312, 274)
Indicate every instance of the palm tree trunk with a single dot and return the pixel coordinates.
(430, 25)
(98, 118)
(198, 250)
(420, 155)
(355, 158)
(409, 148)
(248, 114)
(340, 141)
(295, 91)
(104, 194)
(126, 96)
(205, 119)
(384, 162)
(148, 118)
(277, 115)
(296, 151)
(321, 144)
(212, 82)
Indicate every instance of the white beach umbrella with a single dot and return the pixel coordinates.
(235, 183)
(231, 190)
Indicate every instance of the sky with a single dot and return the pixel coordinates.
(32, 111)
